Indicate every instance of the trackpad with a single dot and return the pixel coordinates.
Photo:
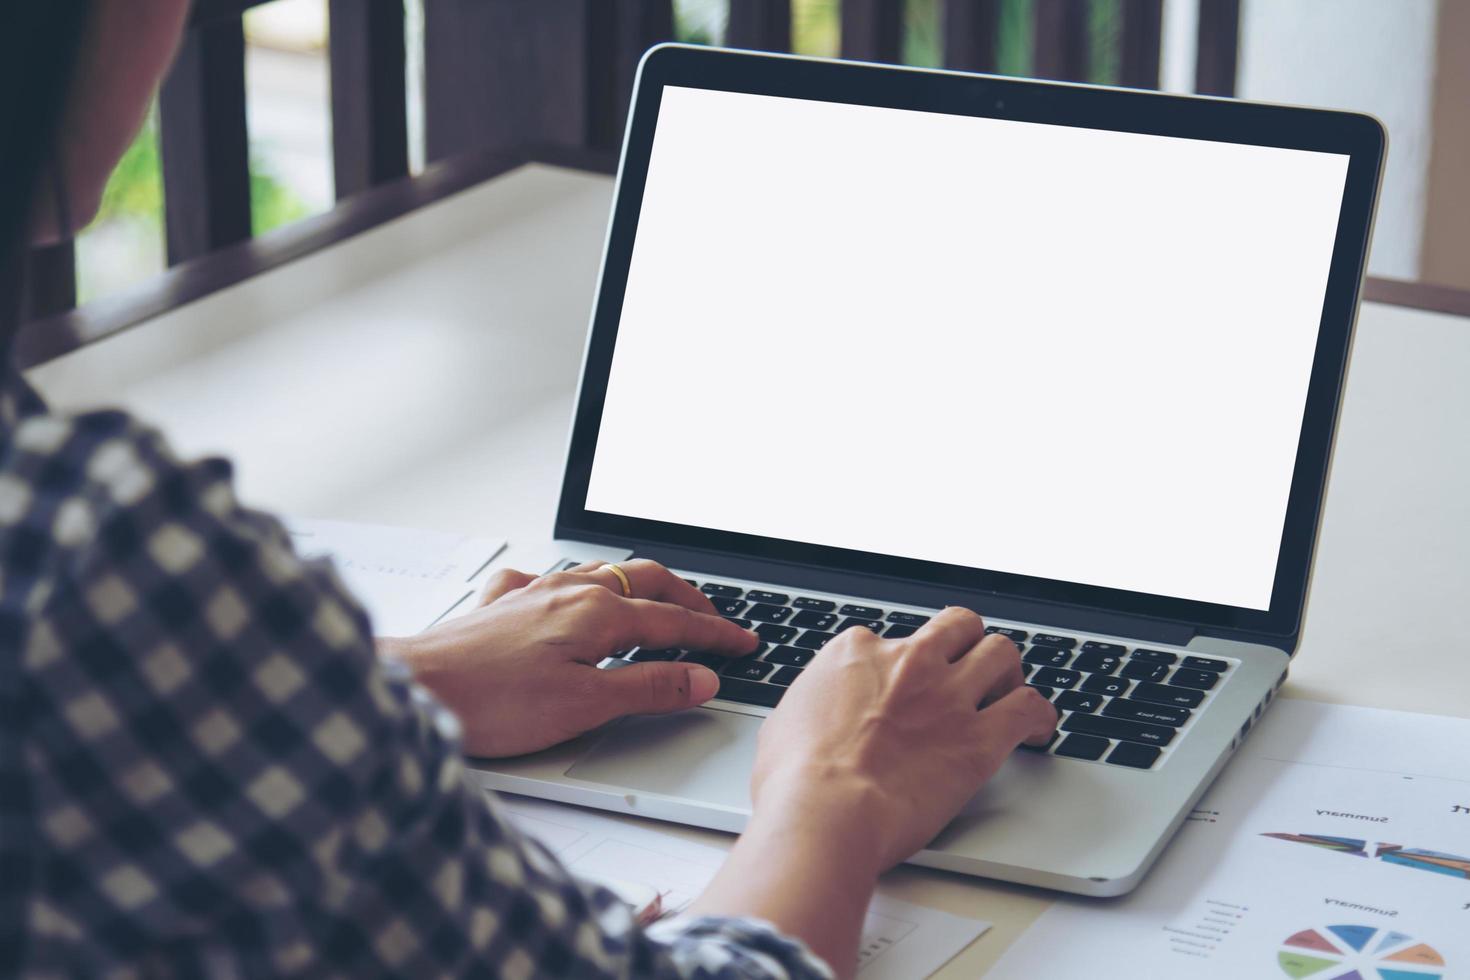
(704, 755)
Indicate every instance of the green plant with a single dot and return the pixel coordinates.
(135, 191)
(272, 203)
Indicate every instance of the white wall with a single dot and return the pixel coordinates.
(1375, 56)
(1372, 55)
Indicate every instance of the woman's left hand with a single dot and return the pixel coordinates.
(521, 670)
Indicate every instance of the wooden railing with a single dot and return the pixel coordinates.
(502, 76)
(204, 141)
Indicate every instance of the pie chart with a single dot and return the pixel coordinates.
(1355, 952)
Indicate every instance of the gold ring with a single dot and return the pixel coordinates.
(622, 577)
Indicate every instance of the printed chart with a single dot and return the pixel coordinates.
(1358, 952)
(1315, 856)
(1416, 858)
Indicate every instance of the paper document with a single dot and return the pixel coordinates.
(900, 940)
(405, 578)
(1335, 847)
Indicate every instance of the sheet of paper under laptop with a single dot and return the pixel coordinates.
(406, 578)
(900, 941)
(1335, 847)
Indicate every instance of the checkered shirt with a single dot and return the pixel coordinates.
(204, 770)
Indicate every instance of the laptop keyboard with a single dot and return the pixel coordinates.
(1118, 704)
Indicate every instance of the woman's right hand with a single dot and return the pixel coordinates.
(881, 742)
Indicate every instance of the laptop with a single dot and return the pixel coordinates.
(872, 341)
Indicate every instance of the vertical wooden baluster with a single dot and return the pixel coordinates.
(636, 26)
(1219, 47)
(1143, 36)
(971, 32)
(505, 74)
(872, 30)
(369, 100)
(509, 74)
(1061, 40)
(761, 25)
(203, 141)
(48, 281)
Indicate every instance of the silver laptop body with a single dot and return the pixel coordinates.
(1160, 656)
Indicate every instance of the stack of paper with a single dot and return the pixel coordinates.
(406, 579)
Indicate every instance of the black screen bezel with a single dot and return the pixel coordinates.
(1360, 137)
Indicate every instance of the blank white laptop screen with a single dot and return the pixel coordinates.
(1076, 354)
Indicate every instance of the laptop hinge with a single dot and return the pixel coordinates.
(907, 592)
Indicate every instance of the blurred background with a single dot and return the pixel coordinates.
(1406, 61)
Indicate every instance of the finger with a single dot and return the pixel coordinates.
(991, 669)
(951, 633)
(502, 582)
(664, 626)
(650, 580)
(657, 687)
(1021, 716)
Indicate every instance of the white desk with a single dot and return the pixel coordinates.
(423, 374)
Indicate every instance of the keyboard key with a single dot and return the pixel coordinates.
(1110, 686)
(813, 639)
(1181, 697)
(810, 619)
(1017, 636)
(1134, 755)
(713, 661)
(729, 591)
(1140, 670)
(1127, 731)
(1200, 680)
(898, 631)
(641, 655)
(1205, 663)
(748, 669)
(1097, 663)
(1046, 692)
(1113, 649)
(1082, 747)
(743, 623)
(1154, 714)
(785, 675)
(907, 619)
(767, 613)
(790, 656)
(750, 692)
(690, 581)
(1077, 701)
(1026, 669)
(876, 625)
(727, 607)
(1048, 657)
(1053, 640)
(777, 598)
(1155, 656)
(862, 612)
(1052, 677)
(1043, 747)
(772, 633)
(820, 605)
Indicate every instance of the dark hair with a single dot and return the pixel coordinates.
(39, 42)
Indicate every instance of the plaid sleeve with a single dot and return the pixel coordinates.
(220, 777)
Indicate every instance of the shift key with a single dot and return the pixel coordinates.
(1128, 731)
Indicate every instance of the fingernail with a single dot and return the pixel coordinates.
(702, 684)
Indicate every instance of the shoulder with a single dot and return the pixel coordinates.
(70, 484)
(97, 512)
